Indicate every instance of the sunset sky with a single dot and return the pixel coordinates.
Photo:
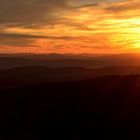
(69, 26)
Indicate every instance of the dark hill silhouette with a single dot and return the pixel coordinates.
(35, 74)
(105, 108)
(8, 61)
(13, 62)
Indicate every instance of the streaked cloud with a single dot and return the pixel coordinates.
(69, 26)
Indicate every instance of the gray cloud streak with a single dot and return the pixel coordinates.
(11, 39)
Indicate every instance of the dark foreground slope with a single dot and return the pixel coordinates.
(106, 108)
(25, 76)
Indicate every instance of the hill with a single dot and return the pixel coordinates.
(8, 61)
(24, 76)
(101, 108)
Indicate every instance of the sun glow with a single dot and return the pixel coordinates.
(108, 26)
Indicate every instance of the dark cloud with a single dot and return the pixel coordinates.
(15, 40)
(25, 40)
(30, 11)
(35, 13)
(15, 36)
(124, 6)
(39, 13)
(87, 5)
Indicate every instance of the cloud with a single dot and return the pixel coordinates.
(124, 6)
(26, 40)
(30, 11)
(15, 36)
(76, 25)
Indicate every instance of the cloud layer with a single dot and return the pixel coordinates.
(73, 26)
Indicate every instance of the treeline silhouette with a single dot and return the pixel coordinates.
(103, 108)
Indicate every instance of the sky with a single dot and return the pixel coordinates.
(69, 26)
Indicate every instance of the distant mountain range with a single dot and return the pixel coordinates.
(22, 76)
(8, 61)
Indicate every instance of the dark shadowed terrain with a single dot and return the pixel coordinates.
(23, 76)
(101, 108)
(69, 102)
(68, 60)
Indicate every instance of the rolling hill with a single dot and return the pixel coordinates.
(101, 108)
(23, 76)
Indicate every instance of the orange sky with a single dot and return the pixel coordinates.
(70, 26)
